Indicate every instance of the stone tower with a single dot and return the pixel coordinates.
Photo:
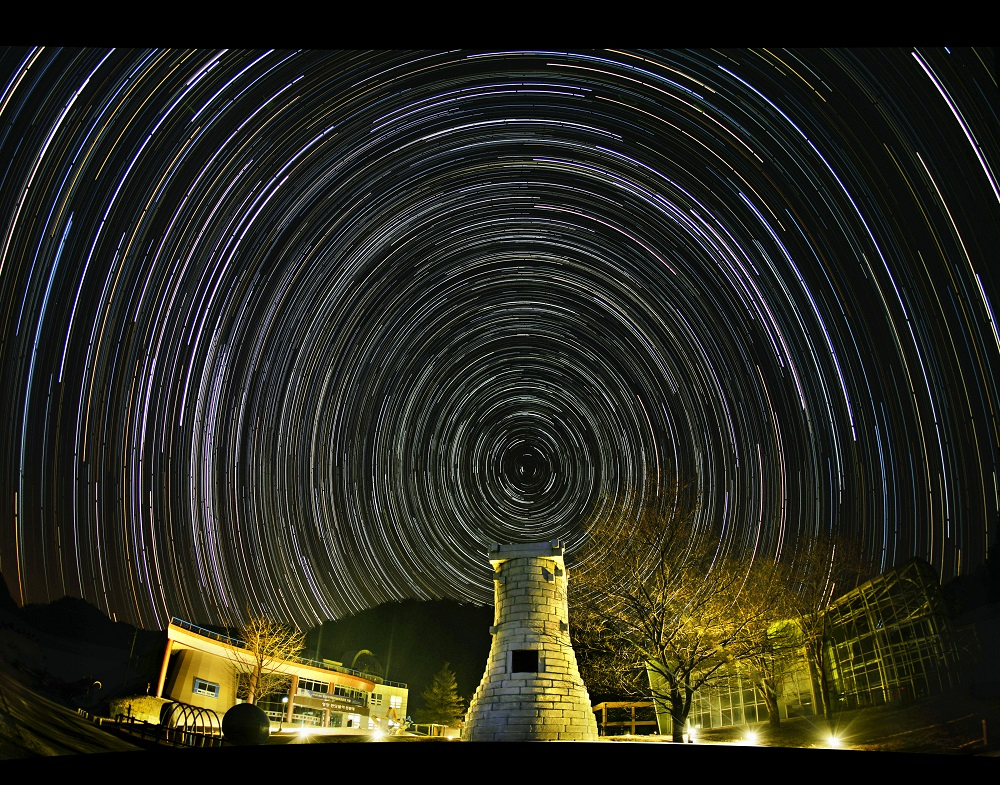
(531, 690)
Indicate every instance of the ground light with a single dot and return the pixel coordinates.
(751, 738)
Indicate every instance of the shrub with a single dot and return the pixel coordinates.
(144, 707)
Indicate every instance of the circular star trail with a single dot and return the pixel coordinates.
(303, 332)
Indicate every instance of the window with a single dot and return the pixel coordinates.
(358, 697)
(207, 688)
(309, 686)
(524, 661)
(395, 701)
(376, 699)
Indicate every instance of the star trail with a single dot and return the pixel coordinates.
(305, 331)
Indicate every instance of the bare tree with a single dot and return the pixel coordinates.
(775, 642)
(259, 664)
(825, 567)
(657, 608)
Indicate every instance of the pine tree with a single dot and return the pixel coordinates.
(442, 703)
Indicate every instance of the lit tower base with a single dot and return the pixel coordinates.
(531, 690)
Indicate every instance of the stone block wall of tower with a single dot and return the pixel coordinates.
(531, 689)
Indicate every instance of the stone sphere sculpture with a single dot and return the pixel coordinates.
(245, 724)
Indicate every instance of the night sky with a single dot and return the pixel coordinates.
(306, 331)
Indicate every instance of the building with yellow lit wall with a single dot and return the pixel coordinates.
(197, 669)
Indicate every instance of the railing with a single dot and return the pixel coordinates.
(237, 643)
(619, 717)
(159, 734)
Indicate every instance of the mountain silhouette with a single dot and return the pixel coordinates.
(411, 640)
(7, 603)
(71, 617)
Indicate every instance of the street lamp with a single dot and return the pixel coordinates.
(284, 702)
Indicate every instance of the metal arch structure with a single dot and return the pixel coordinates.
(369, 663)
(191, 718)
